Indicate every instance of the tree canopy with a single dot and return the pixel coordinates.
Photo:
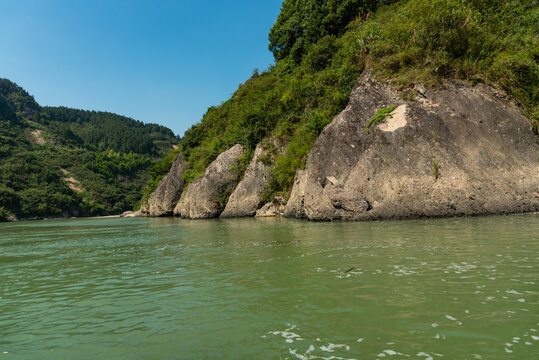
(302, 23)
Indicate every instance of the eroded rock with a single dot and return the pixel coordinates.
(207, 195)
(168, 192)
(460, 150)
(131, 214)
(270, 209)
(294, 207)
(247, 197)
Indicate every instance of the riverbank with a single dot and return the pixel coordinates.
(455, 150)
(12, 219)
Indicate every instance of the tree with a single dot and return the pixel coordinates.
(302, 23)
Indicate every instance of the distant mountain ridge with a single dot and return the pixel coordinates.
(58, 161)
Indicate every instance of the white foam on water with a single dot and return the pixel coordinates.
(399, 271)
(461, 268)
(287, 334)
(513, 292)
(308, 356)
(521, 300)
(427, 356)
(535, 337)
(331, 347)
(450, 317)
(360, 340)
(299, 356)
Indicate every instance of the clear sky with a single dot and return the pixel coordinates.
(159, 61)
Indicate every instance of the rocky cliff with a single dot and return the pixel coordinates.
(247, 197)
(451, 151)
(165, 197)
(456, 150)
(206, 197)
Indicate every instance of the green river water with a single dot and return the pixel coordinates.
(439, 289)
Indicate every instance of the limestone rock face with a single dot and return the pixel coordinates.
(456, 150)
(131, 214)
(274, 208)
(247, 197)
(270, 209)
(205, 197)
(294, 207)
(168, 192)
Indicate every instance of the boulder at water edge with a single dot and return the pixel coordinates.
(168, 192)
(207, 195)
(247, 198)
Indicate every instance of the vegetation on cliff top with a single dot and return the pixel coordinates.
(321, 47)
(60, 160)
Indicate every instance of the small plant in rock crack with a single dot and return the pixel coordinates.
(379, 117)
(435, 169)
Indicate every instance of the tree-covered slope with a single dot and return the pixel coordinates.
(321, 48)
(60, 161)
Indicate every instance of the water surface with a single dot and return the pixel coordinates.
(270, 289)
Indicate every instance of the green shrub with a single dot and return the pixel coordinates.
(379, 117)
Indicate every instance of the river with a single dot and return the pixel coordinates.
(437, 289)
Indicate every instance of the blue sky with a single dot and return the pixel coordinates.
(159, 61)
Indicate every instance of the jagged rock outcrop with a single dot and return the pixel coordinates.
(131, 214)
(456, 150)
(247, 198)
(168, 192)
(274, 208)
(206, 196)
(294, 207)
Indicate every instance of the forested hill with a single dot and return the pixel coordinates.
(59, 161)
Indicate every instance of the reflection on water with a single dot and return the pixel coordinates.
(270, 289)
